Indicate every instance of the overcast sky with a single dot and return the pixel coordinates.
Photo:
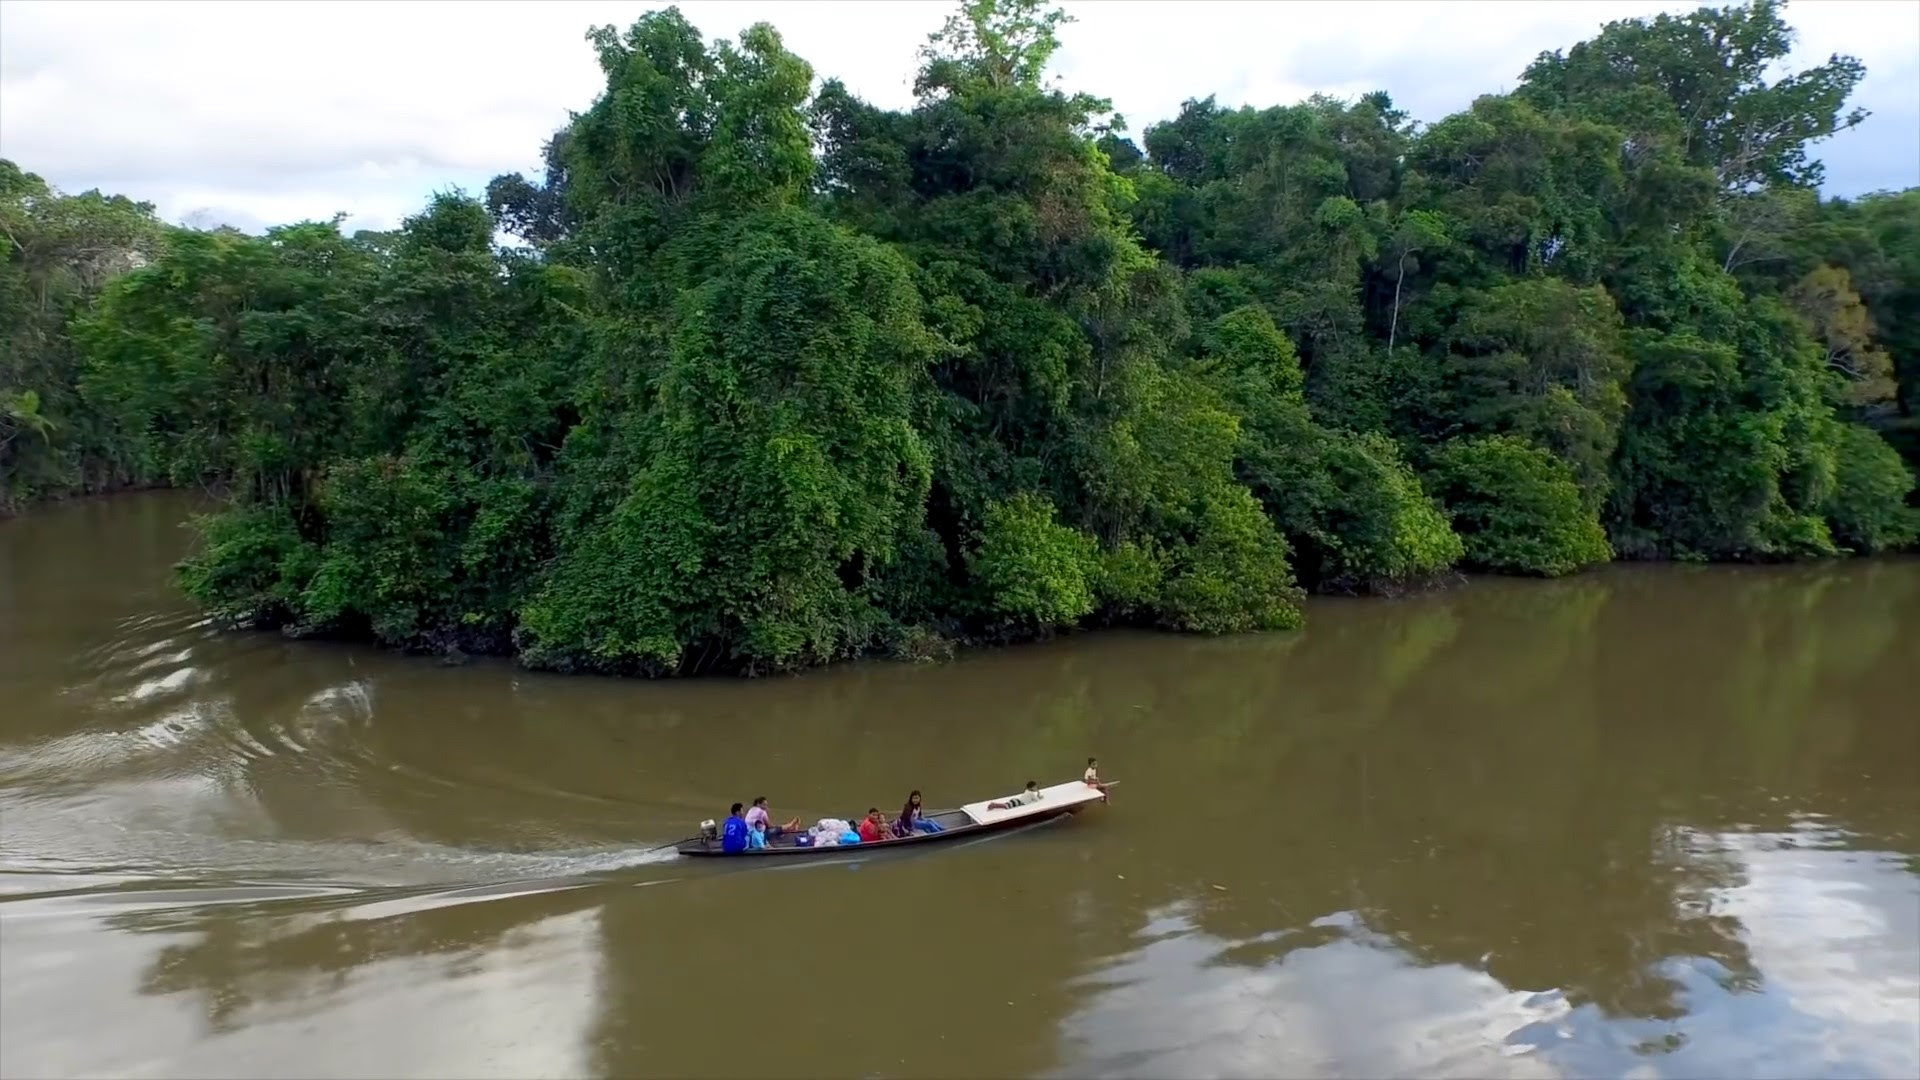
(261, 113)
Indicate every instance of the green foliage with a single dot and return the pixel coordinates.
(779, 379)
(781, 464)
(57, 253)
(1887, 254)
(232, 356)
(1867, 508)
(1517, 507)
(383, 523)
(1700, 81)
(1004, 42)
(1247, 342)
(251, 564)
(1348, 503)
(681, 125)
(1131, 577)
(20, 411)
(1729, 449)
(1233, 576)
(1034, 572)
(1360, 517)
(1544, 360)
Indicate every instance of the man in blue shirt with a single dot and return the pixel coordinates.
(733, 838)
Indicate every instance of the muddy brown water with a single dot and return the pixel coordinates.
(1650, 822)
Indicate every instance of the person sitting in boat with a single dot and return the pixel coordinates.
(1093, 780)
(757, 836)
(1030, 795)
(758, 816)
(911, 819)
(733, 837)
(873, 827)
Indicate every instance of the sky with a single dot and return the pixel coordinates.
(251, 114)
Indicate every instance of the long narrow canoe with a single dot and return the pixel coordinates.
(973, 819)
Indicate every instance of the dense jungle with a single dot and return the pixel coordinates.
(756, 375)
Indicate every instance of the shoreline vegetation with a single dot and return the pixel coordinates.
(770, 377)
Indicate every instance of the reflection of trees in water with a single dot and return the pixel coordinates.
(1786, 695)
(1537, 799)
(1492, 828)
(1556, 870)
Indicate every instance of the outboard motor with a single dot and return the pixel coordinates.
(709, 832)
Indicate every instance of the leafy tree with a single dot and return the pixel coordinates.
(1349, 504)
(780, 467)
(1517, 507)
(1841, 324)
(537, 213)
(1729, 449)
(1545, 360)
(1034, 572)
(1761, 226)
(233, 356)
(1415, 232)
(57, 253)
(416, 507)
(1867, 509)
(1701, 81)
(1003, 42)
(1890, 284)
(1232, 576)
(1359, 516)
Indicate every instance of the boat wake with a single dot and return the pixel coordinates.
(30, 887)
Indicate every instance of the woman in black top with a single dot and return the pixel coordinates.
(911, 819)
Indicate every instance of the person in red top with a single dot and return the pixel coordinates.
(873, 828)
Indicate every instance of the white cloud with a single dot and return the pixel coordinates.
(271, 112)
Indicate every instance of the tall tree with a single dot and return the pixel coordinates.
(57, 253)
(1702, 81)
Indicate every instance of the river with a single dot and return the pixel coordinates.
(1649, 822)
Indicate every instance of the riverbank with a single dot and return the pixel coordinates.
(67, 496)
(928, 646)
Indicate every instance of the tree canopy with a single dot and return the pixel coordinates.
(771, 376)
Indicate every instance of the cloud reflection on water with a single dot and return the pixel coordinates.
(1834, 934)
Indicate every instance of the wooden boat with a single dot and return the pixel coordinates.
(973, 819)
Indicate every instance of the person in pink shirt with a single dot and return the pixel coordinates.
(758, 816)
